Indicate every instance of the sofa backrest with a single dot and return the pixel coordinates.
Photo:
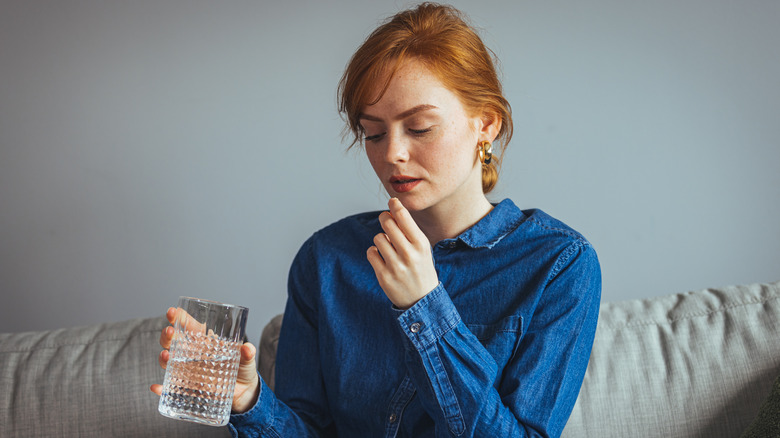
(695, 364)
(87, 382)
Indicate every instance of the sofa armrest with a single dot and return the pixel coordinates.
(87, 382)
(269, 339)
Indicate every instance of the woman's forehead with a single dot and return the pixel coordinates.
(411, 80)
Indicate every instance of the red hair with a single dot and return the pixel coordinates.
(439, 36)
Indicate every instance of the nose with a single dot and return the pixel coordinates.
(397, 149)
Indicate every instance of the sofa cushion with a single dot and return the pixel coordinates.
(87, 382)
(696, 364)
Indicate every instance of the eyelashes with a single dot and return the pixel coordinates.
(415, 132)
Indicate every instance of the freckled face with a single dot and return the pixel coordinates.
(422, 143)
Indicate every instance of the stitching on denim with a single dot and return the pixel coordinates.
(504, 325)
(573, 234)
(564, 257)
(688, 315)
(451, 322)
(432, 354)
(76, 344)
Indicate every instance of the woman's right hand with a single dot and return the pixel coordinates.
(247, 384)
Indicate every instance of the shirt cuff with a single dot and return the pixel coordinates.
(258, 417)
(430, 318)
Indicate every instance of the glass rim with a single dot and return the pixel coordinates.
(218, 303)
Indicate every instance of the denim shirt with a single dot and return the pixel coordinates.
(498, 349)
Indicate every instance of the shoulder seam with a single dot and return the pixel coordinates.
(564, 231)
(565, 256)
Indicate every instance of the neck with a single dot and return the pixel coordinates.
(442, 222)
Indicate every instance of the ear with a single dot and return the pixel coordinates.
(489, 127)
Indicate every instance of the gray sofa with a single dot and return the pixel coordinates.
(695, 364)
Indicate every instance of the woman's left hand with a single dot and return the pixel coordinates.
(401, 257)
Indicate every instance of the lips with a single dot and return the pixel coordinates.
(404, 183)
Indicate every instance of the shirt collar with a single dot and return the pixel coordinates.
(502, 220)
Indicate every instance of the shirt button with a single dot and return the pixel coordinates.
(392, 418)
(415, 327)
(452, 244)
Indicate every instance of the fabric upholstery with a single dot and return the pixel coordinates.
(87, 382)
(695, 364)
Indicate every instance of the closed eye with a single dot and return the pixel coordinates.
(420, 131)
(373, 138)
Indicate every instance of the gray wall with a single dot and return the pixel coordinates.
(151, 149)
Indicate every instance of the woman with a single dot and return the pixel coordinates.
(445, 315)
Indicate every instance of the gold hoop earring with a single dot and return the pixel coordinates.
(485, 152)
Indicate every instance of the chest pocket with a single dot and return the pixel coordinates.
(500, 339)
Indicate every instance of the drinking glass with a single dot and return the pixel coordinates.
(203, 363)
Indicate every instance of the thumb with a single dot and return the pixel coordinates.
(247, 370)
(247, 383)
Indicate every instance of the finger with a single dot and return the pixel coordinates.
(406, 223)
(163, 359)
(394, 233)
(386, 249)
(166, 336)
(171, 314)
(376, 261)
(156, 388)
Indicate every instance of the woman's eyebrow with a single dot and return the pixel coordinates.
(400, 116)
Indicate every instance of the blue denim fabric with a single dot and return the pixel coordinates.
(498, 349)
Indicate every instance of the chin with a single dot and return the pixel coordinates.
(412, 202)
